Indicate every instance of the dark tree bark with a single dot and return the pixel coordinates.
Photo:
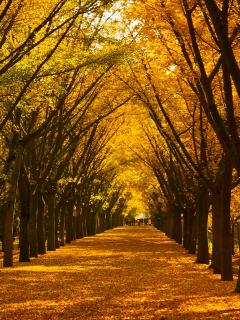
(108, 221)
(177, 226)
(41, 232)
(57, 220)
(50, 196)
(33, 232)
(24, 199)
(203, 203)
(226, 237)
(69, 222)
(79, 226)
(62, 226)
(237, 289)
(187, 227)
(24, 245)
(192, 237)
(9, 205)
(91, 223)
(216, 232)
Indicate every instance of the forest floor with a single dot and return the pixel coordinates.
(125, 273)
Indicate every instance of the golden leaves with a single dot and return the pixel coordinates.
(126, 273)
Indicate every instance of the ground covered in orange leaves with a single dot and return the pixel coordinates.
(125, 273)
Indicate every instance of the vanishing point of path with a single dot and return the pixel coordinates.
(125, 273)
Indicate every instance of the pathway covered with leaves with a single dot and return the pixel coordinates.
(125, 273)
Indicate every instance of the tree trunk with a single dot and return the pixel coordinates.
(237, 289)
(192, 235)
(51, 246)
(98, 230)
(108, 221)
(91, 223)
(62, 226)
(101, 222)
(74, 223)
(169, 223)
(84, 224)
(33, 232)
(233, 237)
(57, 219)
(226, 238)
(79, 226)
(203, 204)
(41, 225)
(216, 233)
(24, 239)
(186, 228)
(69, 222)
(24, 199)
(9, 206)
(177, 226)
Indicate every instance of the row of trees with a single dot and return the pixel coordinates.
(56, 121)
(186, 73)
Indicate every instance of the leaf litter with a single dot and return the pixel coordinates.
(124, 273)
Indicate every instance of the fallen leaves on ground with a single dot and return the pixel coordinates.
(125, 273)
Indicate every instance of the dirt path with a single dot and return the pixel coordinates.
(125, 273)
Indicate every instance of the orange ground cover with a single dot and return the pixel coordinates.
(125, 273)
